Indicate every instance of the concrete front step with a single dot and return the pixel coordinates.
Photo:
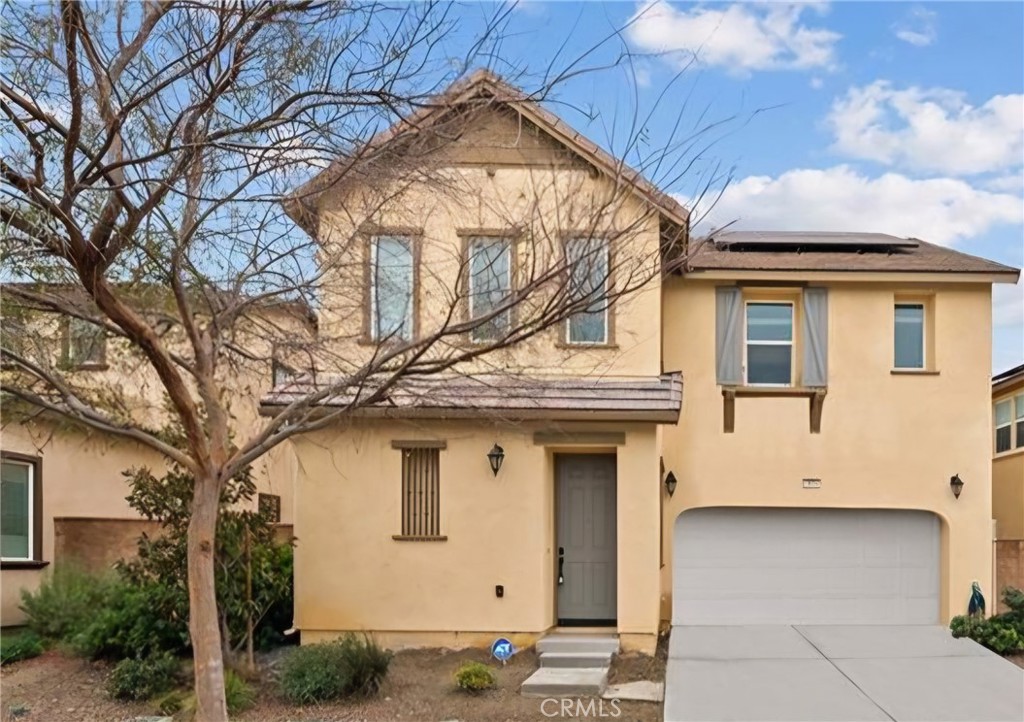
(566, 682)
(578, 643)
(594, 660)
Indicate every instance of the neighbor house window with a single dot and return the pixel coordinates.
(1019, 424)
(281, 373)
(1004, 425)
(269, 506)
(86, 344)
(19, 495)
(589, 264)
(391, 288)
(421, 490)
(490, 282)
(769, 343)
(908, 336)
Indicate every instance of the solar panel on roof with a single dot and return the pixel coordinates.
(808, 238)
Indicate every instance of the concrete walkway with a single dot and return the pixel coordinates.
(837, 674)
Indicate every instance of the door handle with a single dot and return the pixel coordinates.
(561, 564)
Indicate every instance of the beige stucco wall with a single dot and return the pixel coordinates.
(1008, 480)
(352, 575)
(886, 441)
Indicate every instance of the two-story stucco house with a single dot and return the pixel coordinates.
(767, 434)
(1008, 476)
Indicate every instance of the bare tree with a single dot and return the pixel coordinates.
(153, 178)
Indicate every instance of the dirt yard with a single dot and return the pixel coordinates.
(419, 688)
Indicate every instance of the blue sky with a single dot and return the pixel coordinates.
(906, 118)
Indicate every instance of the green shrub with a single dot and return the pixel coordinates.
(325, 671)
(18, 645)
(1002, 633)
(137, 679)
(65, 602)
(239, 694)
(475, 677)
(135, 623)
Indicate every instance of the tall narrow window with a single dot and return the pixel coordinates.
(86, 344)
(769, 343)
(421, 492)
(17, 492)
(588, 260)
(1003, 421)
(391, 288)
(1020, 420)
(490, 282)
(908, 336)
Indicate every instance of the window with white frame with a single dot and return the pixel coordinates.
(589, 267)
(17, 509)
(769, 343)
(391, 288)
(908, 336)
(1003, 419)
(1019, 421)
(490, 282)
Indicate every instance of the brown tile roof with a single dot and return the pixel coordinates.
(805, 251)
(644, 398)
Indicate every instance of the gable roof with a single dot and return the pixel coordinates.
(811, 251)
(1007, 379)
(484, 87)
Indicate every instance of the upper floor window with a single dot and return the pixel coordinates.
(908, 336)
(589, 269)
(391, 288)
(19, 497)
(1009, 422)
(490, 282)
(86, 344)
(769, 343)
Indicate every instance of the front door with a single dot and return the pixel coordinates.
(585, 494)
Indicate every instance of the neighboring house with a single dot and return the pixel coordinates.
(63, 488)
(769, 436)
(1008, 476)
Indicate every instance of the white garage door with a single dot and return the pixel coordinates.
(805, 566)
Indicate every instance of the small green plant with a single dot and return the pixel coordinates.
(65, 602)
(18, 645)
(239, 694)
(1002, 633)
(138, 679)
(329, 670)
(475, 677)
(171, 703)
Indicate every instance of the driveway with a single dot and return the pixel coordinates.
(826, 673)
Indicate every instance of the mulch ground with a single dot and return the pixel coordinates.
(419, 687)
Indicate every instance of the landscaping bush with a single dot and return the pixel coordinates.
(475, 677)
(138, 679)
(136, 622)
(325, 671)
(18, 645)
(239, 694)
(65, 602)
(1002, 633)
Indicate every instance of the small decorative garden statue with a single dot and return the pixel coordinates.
(976, 607)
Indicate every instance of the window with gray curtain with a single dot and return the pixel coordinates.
(588, 262)
(16, 512)
(391, 288)
(908, 336)
(86, 343)
(769, 338)
(1003, 421)
(490, 282)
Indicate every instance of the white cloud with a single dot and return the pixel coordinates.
(940, 210)
(917, 28)
(740, 37)
(929, 129)
(1008, 305)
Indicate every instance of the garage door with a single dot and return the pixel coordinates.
(805, 566)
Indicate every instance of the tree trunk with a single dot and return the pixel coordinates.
(203, 623)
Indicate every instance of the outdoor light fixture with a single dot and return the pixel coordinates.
(670, 483)
(495, 456)
(956, 484)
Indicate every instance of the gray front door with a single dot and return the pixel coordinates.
(586, 538)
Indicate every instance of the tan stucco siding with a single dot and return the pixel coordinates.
(1008, 495)
(886, 441)
(351, 574)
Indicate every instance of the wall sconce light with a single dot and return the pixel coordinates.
(495, 457)
(670, 483)
(956, 484)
